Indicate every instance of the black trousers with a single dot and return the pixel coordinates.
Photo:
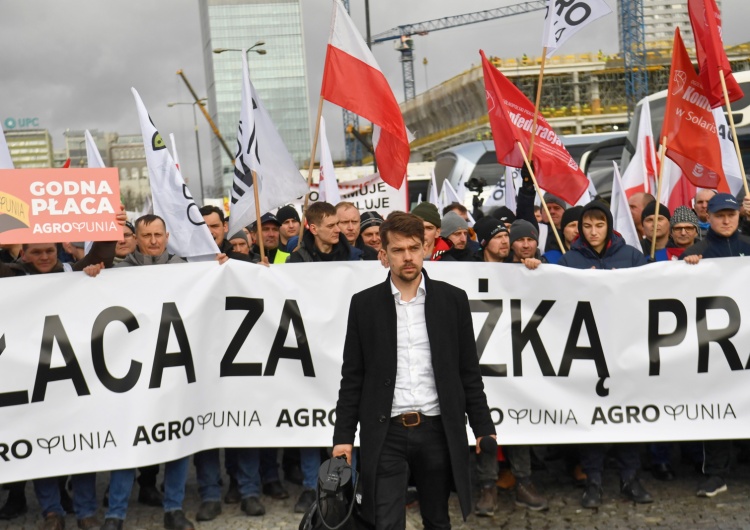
(423, 450)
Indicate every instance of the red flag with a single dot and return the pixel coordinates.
(352, 79)
(705, 19)
(511, 115)
(689, 125)
(66, 164)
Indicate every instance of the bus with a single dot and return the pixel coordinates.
(473, 166)
(658, 103)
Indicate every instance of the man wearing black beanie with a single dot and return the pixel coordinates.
(662, 230)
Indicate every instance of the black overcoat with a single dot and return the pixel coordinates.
(368, 375)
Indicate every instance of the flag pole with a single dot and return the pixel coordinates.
(658, 195)
(539, 192)
(258, 227)
(310, 170)
(538, 100)
(734, 131)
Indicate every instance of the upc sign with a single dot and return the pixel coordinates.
(20, 123)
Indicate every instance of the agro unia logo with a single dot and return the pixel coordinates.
(680, 78)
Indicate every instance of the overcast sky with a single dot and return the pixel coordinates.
(70, 64)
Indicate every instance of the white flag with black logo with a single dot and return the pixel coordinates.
(188, 234)
(260, 149)
(565, 18)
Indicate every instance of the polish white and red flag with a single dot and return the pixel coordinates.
(641, 174)
(353, 80)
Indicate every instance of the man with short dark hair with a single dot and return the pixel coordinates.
(457, 208)
(323, 240)
(218, 226)
(410, 384)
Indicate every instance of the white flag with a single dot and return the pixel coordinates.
(148, 206)
(728, 153)
(433, 195)
(510, 188)
(641, 173)
(260, 149)
(93, 156)
(94, 160)
(5, 161)
(622, 220)
(451, 196)
(188, 233)
(174, 151)
(328, 188)
(564, 19)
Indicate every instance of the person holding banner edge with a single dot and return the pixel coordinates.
(600, 247)
(151, 249)
(722, 240)
(410, 388)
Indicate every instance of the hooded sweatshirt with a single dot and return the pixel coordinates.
(616, 254)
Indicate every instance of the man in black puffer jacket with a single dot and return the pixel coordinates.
(600, 247)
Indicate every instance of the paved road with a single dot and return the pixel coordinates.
(676, 507)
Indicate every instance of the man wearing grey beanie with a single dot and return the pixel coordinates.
(456, 231)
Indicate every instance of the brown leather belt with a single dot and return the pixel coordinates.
(412, 419)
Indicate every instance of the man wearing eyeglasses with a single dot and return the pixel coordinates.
(685, 227)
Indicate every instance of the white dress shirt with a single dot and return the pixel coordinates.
(415, 381)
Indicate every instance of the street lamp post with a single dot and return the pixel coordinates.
(250, 49)
(197, 140)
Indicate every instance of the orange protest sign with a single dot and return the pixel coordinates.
(55, 205)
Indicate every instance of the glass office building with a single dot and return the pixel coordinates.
(279, 76)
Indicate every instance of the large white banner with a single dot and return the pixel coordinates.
(144, 365)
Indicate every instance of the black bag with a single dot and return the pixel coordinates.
(337, 504)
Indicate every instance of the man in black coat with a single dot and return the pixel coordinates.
(410, 383)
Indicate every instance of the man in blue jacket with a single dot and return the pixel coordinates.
(723, 240)
(600, 247)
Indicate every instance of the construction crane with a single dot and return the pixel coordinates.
(406, 44)
(633, 48)
(632, 41)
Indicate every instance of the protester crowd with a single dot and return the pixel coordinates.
(581, 237)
